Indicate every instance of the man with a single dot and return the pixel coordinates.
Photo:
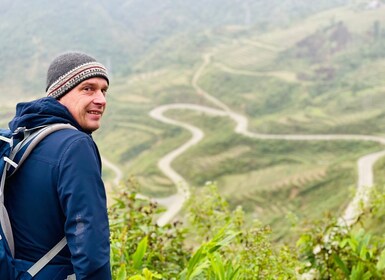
(58, 191)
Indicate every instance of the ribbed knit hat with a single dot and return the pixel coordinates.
(70, 69)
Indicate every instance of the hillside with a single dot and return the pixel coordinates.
(128, 36)
(287, 66)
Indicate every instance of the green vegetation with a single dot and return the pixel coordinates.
(214, 242)
(290, 177)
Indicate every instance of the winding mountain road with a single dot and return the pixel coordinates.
(365, 163)
(118, 173)
(175, 202)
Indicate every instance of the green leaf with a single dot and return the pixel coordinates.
(353, 244)
(217, 266)
(196, 258)
(357, 272)
(341, 265)
(232, 274)
(198, 270)
(137, 257)
(122, 274)
(381, 261)
(149, 275)
(344, 242)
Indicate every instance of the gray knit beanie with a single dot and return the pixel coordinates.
(70, 69)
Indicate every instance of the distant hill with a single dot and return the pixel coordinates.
(123, 34)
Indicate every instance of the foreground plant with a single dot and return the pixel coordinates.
(139, 247)
(226, 247)
(332, 251)
(249, 254)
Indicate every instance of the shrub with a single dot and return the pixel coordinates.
(138, 245)
(226, 247)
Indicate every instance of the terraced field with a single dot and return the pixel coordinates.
(295, 183)
(294, 147)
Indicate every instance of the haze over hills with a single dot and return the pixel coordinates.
(123, 33)
(287, 66)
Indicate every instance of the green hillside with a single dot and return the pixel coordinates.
(290, 67)
(128, 36)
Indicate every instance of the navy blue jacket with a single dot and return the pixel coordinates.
(57, 192)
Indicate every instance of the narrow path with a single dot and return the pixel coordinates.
(175, 202)
(365, 183)
(200, 91)
(118, 173)
(365, 164)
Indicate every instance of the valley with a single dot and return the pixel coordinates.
(174, 203)
(275, 104)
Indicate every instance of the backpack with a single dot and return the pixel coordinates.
(14, 149)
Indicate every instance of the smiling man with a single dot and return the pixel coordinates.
(58, 191)
(86, 103)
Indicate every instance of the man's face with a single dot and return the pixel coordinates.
(87, 102)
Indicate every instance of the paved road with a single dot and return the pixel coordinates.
(365, 163)
(175, 202)
(364, 186)
(118, 173)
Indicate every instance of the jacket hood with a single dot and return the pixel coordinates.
(42, 111)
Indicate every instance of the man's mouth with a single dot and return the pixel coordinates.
(98, 113)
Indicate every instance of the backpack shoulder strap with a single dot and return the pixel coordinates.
(47, 257)
(6, 143)
(33, 137)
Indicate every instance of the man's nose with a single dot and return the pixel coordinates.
(100, 98)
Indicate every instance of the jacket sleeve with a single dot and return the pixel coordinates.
(83, 200)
